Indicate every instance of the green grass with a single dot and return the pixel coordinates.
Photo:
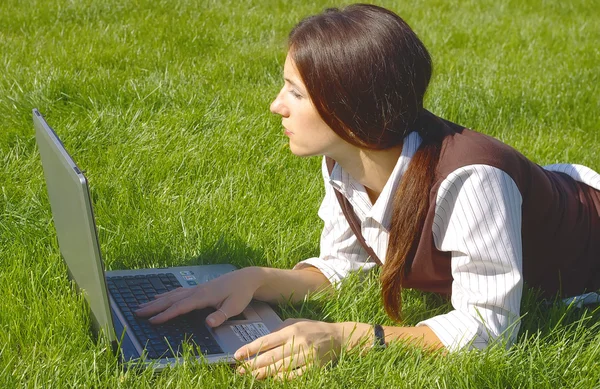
(165, 104)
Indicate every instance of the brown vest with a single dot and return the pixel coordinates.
(560, 219)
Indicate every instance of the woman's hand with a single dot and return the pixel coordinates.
(230, 294)
(296, 346)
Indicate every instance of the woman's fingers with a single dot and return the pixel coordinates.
(286, 364)
(277, 355)
(164, 302)
(230, 294)
(289, 374)
(233, 305)
(280, 360)
(261, 344)
(217, 318)
(174, 291)
(180, 307)
(284, 334)
(159, 296)
(172, 304)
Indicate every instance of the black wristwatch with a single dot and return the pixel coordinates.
(378, 336)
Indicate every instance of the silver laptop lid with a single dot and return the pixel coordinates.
(74, 222)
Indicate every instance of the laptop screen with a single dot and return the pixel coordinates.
(74, 222)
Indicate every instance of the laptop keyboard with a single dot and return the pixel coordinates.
(163, 340)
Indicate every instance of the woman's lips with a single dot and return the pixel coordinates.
(287, 132)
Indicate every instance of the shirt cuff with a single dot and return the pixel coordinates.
(457, 330)
(328, 271)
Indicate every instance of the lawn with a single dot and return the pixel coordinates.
(164, 103)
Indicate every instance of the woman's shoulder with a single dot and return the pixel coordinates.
(464, 147)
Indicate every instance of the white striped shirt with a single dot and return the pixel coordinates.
(477, 219)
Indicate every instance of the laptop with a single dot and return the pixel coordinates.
(113, 296)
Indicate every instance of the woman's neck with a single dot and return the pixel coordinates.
(372, 168)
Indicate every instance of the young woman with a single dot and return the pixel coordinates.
(445, 209)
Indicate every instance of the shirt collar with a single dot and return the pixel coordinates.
(356, 194)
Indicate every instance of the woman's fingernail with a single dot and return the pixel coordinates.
(211, 321)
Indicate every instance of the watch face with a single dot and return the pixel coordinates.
(379, 336)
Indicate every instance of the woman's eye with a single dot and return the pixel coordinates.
(295, 94)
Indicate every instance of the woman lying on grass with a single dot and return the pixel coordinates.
(444, 208)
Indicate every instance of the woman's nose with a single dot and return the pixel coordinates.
(278, 107)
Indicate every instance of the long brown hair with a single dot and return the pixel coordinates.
(367, 73)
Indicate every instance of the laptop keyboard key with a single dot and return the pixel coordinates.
(156, 283)
(119, 283)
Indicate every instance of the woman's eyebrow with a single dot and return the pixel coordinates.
(292, 82)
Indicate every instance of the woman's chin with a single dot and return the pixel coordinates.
(297, 151)
(300, 152)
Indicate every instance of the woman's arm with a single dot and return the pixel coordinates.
(356, 334)
(281, 285)
(300, 344)
(340, 251)
(232, 292)
(478, 219)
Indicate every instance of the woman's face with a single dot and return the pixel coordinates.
(308, 133)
